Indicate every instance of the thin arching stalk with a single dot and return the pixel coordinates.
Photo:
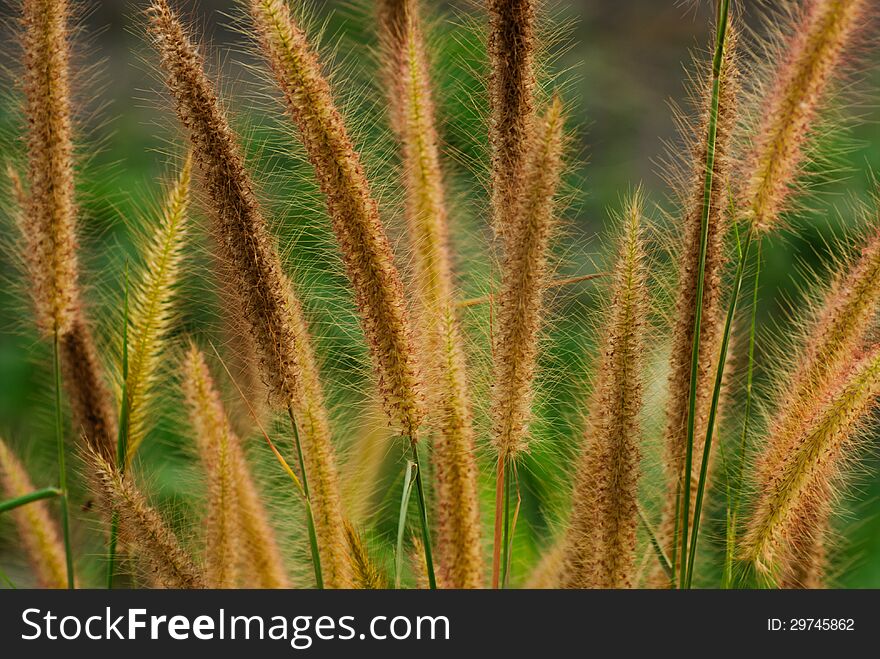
(713, 410)
(733, 512)
(310, 519)
(62, 468)
(122, 438)
(721, 34)
(45, 493)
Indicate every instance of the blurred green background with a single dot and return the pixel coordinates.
(622, 64)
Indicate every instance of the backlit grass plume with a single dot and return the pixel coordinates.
(51, 212)
(367, 575)
(150, 312)
(49, 221)
(833, 340)
(39, 534)
(806, 61)
(512, 82)
(142, 527)
(601, 534)
(272, 309)
(524, 276)
(241, 528)
(823, 445)
(352, 208)
(214, 442)
(411, 108)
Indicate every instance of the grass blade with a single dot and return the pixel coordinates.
(721, 34)
(45, 493)
(401, 520)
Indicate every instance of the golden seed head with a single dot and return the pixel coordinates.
(512, 86)
(802, 479)
(524, 277)
(353, 210)
(809, 60)
(50, 220)
(601, 537)
(142, 526)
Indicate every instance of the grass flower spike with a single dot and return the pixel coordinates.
(810, 58)
(273, 311)
(511, 94)
(442, 353)
(151, 313)
(352, 208)
(141, 525)
(601, 536)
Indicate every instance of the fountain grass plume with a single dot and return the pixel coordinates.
(353, 210)
(142, 527)
(809, 58)
(151, 312)
(411, 108)
(274, 312)
(512, 84)
(601, 533)
(824, 442)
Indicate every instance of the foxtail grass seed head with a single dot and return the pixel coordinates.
(810, 58)
(601, 535)
(51, 211)
(512, 84)
(48, 220)
(823, 445)
(367, 575)
(143, 528)
(441, 354)
(524, 277)
(151, 312)
(833, 339)
(353, 210)
(274, 312)
(214, 439)
(39, 533)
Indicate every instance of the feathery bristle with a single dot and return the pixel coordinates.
(689, 223)
(142, 526)
(524, 277)
(820, 447)
(366, 575)
(150, 309)
(51, 212)
(252, 538)
(810, 59)
(442, 354)
(272, 309)
(512, 85)
(213, 440)
(353, 210)
(601, 536)
(39, 533)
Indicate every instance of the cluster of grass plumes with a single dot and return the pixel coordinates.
(285, 485)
